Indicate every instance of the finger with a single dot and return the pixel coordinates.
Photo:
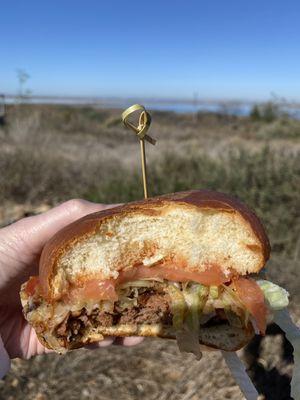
(22, 242)
(35, 231)
(129, 341)
(103, 343)
(207, 348)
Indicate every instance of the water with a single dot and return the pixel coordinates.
(229, 108)
(239, 110)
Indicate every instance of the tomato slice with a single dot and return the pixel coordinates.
(105, 290)
(95, 290)
(252, 297)
(212, 276)
(31, 285)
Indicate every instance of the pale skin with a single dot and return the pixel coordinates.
(20, 247)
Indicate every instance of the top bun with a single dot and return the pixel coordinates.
(190, 230)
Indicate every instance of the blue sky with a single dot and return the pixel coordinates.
(219, 49)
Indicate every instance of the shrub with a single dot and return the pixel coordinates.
(266, 112)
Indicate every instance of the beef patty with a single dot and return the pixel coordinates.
(152, 307)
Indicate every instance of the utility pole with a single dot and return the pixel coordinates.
(22, 78)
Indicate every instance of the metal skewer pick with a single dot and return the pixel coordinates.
(140, 130)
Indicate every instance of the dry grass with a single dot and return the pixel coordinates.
(52, 153)
(120, 373)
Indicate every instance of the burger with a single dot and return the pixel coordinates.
(185, 266)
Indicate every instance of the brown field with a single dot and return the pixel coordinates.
(53, 153)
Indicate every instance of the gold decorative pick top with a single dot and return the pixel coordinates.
(140, 130)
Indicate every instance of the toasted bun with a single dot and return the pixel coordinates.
(223, 337)
(191, 230)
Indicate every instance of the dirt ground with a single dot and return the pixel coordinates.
(153, 370)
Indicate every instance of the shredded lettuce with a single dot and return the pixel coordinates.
(188, 337)
(192, 300)
(232, 302)
(214, 292)
(195, 295)
(229, 297)
(126, 303)
(187, 341)
(137, 284)
(276, 296)
(154, 279)
(128, 293)
(178, 306)
(193, 308)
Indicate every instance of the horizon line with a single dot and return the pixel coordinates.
(157, 99)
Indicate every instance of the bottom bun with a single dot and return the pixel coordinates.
(223, 337)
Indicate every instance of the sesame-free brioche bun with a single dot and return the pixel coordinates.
(192, 230)
(196, 231)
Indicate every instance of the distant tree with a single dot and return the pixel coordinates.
(255, 113)
(270, 111)
(266, 112)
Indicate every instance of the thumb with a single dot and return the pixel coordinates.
(31, 233)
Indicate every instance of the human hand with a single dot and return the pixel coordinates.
(20, 247)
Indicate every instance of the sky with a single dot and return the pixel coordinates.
(225, 49)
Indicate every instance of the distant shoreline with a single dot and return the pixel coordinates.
(230, 107)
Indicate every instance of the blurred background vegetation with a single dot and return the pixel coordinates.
(53, 153)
